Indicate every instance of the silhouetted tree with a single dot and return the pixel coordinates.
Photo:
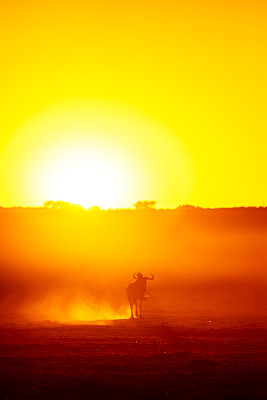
(57, 204)
(145, 205)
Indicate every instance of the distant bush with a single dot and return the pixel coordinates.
(60, 204)
(145, 205)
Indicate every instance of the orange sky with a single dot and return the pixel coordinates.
(172, 94)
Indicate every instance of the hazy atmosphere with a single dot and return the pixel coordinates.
(107, 102)
(133, 219)
(74, 265)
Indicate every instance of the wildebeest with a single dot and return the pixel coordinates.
(136, 291)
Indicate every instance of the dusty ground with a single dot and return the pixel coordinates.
(135, 359)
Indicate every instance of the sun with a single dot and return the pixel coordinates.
(95, 153)
(87, 177)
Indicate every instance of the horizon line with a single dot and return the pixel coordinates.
(79, 207)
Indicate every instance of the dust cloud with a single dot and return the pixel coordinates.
(74, 265)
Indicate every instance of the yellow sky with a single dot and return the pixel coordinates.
(187, 76)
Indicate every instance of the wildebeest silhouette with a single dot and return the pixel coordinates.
(136, 291)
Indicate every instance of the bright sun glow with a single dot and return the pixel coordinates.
(93, 153)
(86, 177)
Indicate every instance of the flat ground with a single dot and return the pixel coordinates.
(195, 358)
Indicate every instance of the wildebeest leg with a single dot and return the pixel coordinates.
(136, 308)
(141, 302)
(131, 305)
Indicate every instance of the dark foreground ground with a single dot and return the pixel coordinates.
(139, 359)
